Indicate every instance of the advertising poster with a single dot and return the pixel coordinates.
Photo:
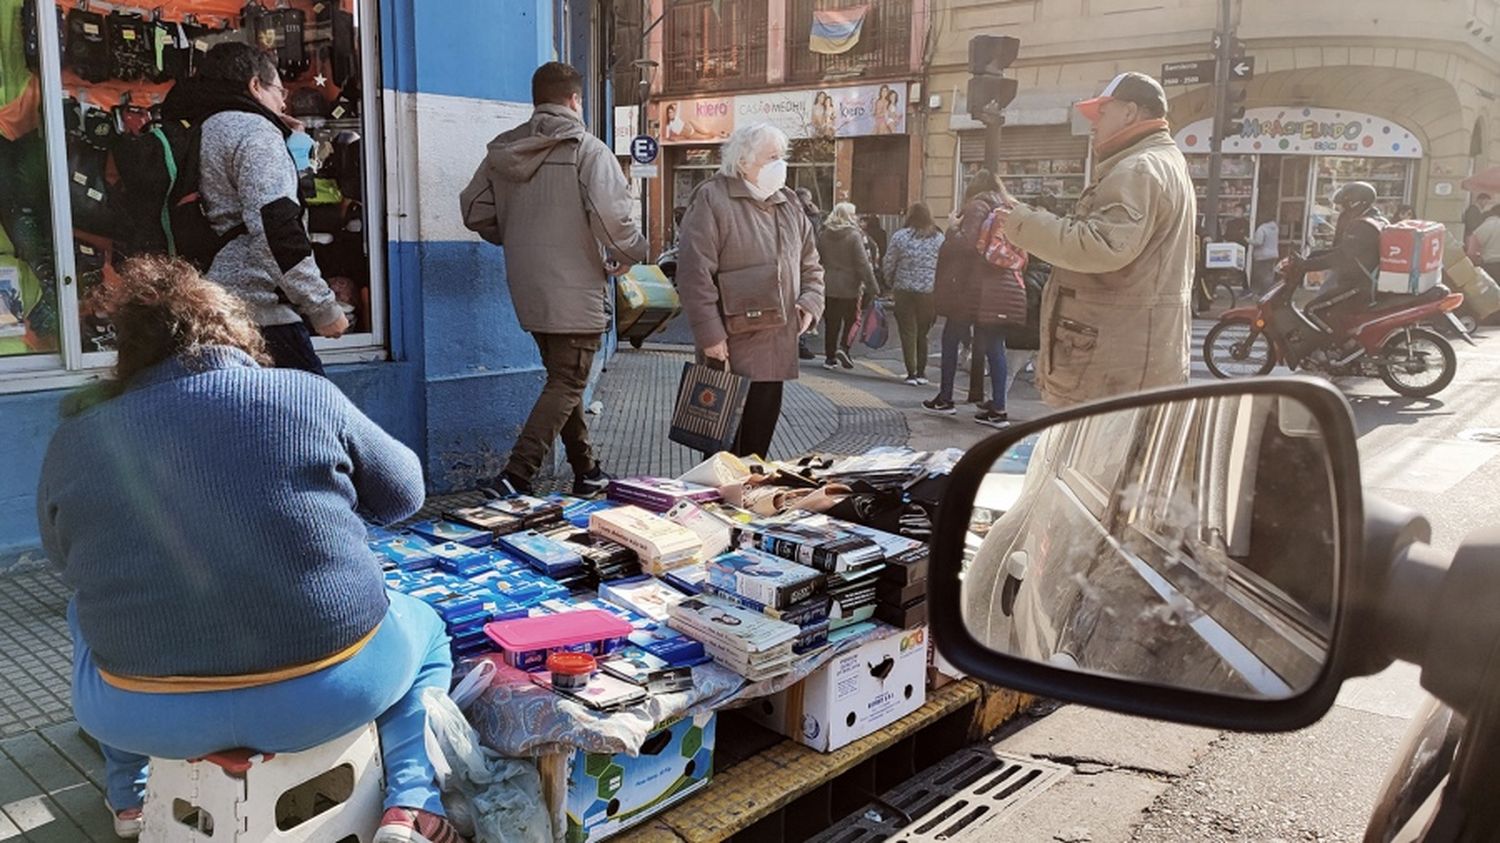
(708, 120)
(845, 112)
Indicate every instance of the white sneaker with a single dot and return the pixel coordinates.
(923, 381)
(127, 823)
(913, 382)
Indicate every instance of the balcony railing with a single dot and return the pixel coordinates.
(704, 51)
(884, 46)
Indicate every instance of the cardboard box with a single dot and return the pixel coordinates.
(609, 793)
(1224, 256)
(905, 617)
(1411, 257)
(940, 671)
(855, 695)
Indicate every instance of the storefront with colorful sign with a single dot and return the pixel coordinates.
(1286, 164)
(831, 128)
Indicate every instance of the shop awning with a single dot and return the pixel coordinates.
(1486, 181)
(1036, 107)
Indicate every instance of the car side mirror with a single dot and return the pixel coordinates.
(1189, 554)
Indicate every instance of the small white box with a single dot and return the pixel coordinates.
(855, 695)
(1224, 256)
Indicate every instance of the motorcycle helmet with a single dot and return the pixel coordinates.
(1355, 195)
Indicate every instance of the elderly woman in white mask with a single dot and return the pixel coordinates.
(749, 275)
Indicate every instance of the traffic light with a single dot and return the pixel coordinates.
(1238, 74)
(989, 90)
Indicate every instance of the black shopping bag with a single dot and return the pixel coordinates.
(710, 404)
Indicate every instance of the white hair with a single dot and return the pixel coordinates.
(843, 215)
(745, 143)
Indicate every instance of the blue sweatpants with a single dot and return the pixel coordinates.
(382, 682)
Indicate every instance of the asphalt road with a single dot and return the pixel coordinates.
(1143, 781)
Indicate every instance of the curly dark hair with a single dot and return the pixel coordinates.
(163, 308)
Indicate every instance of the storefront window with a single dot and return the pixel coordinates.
(118, 61)
(29, 327)
(1390, 176)
(1236, 191)
(810, 165)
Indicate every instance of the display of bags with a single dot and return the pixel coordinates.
(159, 177)
(710, 404)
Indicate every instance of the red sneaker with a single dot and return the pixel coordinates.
(410, 825)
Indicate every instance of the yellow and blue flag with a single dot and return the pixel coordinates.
(836, 31)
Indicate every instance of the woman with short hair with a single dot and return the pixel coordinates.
(749, 275)
(209, 514)
(848, 277)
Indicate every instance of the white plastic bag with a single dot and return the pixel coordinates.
(490, 798)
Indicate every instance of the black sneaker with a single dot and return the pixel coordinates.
(992, 418)
(985, 409)
(591, 485)
(803, 352)
(844, 360)
(505, 486)
(939, 406)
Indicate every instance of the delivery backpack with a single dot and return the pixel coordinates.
(159, 171)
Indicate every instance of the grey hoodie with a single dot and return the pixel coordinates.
(554, 196)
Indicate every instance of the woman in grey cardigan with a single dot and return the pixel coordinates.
(749, 275)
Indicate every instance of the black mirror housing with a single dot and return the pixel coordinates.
(1358, 580)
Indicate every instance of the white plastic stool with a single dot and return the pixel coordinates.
(331, 793)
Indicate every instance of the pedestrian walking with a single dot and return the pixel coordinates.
(1265, 252)
(876, 242)
(1484, 244)
(1115, 316)
(910, 265)
(979, 300)
(249, 186)
(749, 275)
(815, 216)
(553, 195)
(1474, 214)
(849, 278)
(224, 595)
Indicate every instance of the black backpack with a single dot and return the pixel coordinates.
(132, 52)
(88, 45)
(159, 174)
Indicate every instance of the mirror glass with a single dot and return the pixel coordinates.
(1189, 544)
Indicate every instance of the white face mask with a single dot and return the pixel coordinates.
(772, 178)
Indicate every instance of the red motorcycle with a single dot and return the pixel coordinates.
(1392, 343)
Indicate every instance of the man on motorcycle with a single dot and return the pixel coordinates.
(1352, 261)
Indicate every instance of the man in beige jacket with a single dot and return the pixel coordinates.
(1115, 314)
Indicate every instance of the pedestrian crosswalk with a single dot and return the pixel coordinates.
(1199, 370)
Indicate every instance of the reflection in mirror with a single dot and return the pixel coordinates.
(1189, 544)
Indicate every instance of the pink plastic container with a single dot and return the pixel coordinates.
(526, 642)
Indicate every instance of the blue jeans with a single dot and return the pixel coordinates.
(988, 341)
(382, 682)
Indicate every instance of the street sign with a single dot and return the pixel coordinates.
(1188, 72)
(643, 171)
(1242, 69)
(643, 149)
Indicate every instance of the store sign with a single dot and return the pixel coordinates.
(627, 123)
(845, 112)
(1308, 131)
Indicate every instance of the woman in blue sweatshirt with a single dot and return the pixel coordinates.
(208, 513)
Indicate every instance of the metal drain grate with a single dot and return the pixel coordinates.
(954, 801)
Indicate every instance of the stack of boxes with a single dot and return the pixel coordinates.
(777, 588)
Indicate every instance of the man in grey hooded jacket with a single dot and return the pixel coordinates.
(554, 196)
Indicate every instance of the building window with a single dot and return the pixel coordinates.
(76, 173)
(882, 165)
(714, 49)
(883, 49)
(1046, 165)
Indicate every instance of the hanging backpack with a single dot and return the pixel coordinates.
(159, 174)
(87, 50)
(131, 51)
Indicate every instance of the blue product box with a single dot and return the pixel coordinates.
(670, 646)
(376, 533)
(550, 557)
(408, 552)
(608, 793)
(439, 532)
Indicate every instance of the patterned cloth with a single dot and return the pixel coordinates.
(910, 263)
(518, 718)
